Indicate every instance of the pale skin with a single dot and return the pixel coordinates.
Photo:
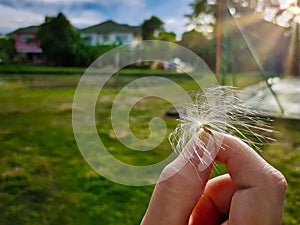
(252, 193)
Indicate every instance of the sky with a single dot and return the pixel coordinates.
(83, 13)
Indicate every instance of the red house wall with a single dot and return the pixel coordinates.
(27, 43)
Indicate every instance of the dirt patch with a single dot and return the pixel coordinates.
(12, 172)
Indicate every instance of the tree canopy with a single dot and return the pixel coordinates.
(151, 28)
(7, 50)
(200, 35)
(167, 36)
(203, 47)
(60, 41)
(281, 13)
(202, 18)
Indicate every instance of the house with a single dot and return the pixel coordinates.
(29, 48)
(27, 43)
(111, 32)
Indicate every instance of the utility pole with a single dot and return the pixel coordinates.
(219, 38)
(292, 65)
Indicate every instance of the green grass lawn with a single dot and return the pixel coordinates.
(44, 179)
(53, 70)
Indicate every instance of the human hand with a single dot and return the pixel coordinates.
(253, 192)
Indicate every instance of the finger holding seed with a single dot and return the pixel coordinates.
(252, 193)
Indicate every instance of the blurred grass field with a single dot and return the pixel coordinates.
(44, 179)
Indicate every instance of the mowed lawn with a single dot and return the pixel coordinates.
(45, 180)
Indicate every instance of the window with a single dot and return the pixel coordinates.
(27, 38)
(122, 39)
(88, 39)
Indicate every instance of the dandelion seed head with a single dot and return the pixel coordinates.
(218, 109)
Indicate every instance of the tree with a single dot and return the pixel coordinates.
(199, 44)
(151, 28)
(60, 41)
(201, 27)
(202, 18)
(7, 49)
(167, 36)
(282, 13)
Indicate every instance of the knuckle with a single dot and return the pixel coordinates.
(275, 179)
(281, 181)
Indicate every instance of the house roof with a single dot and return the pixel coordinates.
(111, 26)
(26, 29)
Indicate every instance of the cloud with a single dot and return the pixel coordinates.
(172, 14)
(175, 25)
(85, 18)
(54, 5)
(125, 11)
(131, 3)
(12, 19)
(86, 9)
(63, 1)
